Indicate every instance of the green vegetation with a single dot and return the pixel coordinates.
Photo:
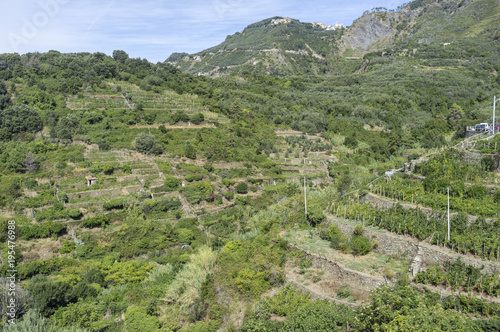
(198, 183)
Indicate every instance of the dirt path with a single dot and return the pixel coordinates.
(168, 126)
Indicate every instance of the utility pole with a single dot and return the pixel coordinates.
(494, 104)
(448, 213)
(305, 196)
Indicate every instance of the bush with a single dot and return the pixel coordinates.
(208, 166)
(108, 169)
(194, 177)
(49, 295)
(190, 151)
(360, 245)
(68, 246)
(229, 195)
(100, 220)
(117, 203)
(75, 214)
(171, 183)
(198, 118)
(488, 164)
(44, 230)
(334, 235)
(314, 215)
(344, 292)
(496, 196)
(138, 321)
(242, 188)
(358, 230)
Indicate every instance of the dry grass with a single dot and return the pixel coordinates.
(186, 286)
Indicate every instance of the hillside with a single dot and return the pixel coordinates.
(275, 46)
(422, 22)
(137, 197)
(284, 46)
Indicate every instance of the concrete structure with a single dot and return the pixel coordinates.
(91, 180)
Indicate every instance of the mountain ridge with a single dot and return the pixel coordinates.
(283, 46)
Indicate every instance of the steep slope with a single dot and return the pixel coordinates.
(275, 45)
(423, 21)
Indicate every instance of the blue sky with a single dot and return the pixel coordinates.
(153, 29)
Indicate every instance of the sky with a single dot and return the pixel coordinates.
(154, 29)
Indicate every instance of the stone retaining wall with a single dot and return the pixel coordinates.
(112, 192)
(475, 158)
(349, 277)
(406, 247)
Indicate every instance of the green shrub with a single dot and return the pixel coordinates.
(114, 204)
(75, 213)
(126, 169)
(190, 151)
(171, 183)
(344, 292)
(198, 191)
(358, 230)
(208, 166)
(44, 230)
(100, 220)
(198, 118)
(185, 235)
(360, 245)
(242, 188)
(229, 195)
(194, 177)
(138, 321)
(67, 247)
(334, 235)
(108, 169)
(315, 215)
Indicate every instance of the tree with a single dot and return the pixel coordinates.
(146, 144)
(190, 151)
(20, 118)
(343, 182)
(30, 162)
(66, 127)
(4, 96)
(350, 141)
(315, 316)
(22, 298)
(198, 118)
(120, 56)
(33, 322)
(49, 295)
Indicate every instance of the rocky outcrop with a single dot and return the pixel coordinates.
(368, 31)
